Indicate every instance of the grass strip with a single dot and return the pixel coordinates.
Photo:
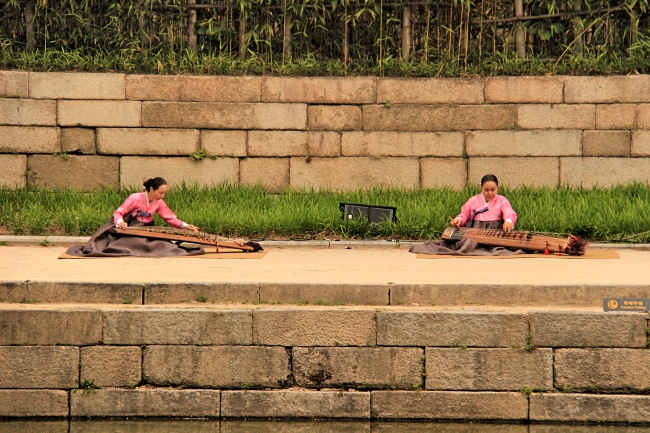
(620, 214)
(188, 62)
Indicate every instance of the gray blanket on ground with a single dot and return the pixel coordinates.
(466, 247)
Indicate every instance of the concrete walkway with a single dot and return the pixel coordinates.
(335, 265)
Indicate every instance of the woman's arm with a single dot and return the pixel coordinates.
(129, 204)
(170, 217)
(509, 214)
(464, 215)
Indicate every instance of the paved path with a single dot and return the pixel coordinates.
(324, 266)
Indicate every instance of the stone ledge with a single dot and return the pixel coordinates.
(589, 408)
(366, 294)
(295, 404)
(71, 327)
(448, 405)
(454, 328)
(33, 403)
(213, 292)
(582, 329)
(145, 402)
(72, 291)
(177, 326)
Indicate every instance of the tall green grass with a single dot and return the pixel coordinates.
(615, 214)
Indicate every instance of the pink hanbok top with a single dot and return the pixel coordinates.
(138, 206)
(498, 209)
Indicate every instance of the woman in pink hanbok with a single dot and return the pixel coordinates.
(487, 210)
(138, 210)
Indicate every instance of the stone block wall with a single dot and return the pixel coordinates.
(86, 130)
(344, 362)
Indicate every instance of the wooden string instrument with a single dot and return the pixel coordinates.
(179, 236)
(519, 239)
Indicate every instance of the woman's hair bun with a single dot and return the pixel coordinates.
(154, 183)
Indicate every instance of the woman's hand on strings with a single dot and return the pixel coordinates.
(195, 229)
(455, 222)
(239, 242)
(507, 226)
(122, 225)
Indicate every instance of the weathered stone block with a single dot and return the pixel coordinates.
(129, 141)
(616, 116)
(145, 402)
(359, 294)
(14, 84)
(270, 173)
(352, 173)
(72, 292)
(174, 326)
(193, 88)
(295, 404)
(595, 408)
(319, 90)
(224, 143)
(334, 117)
(430, 91)
(456, 427)
(29, 139)
(489, 369)
(39, 367)
(278, 143)
(27, 112)
(76, 85)
(524, 90)
(603, 172)
(602, 369)
(324, 143)
(134, 170)
(560, 116)
(443, 172)
(12, 170)
(524, 143)
(358, 367)
(216, 115)
(176, 424)
(449, 405)
(314, 327)
(640, 143)
(80, 140)
(99, 113)
(217, 366)
(452, 328)
(515, 171)
(111, 365)
(583, 329)
(606, 143)
(402, 144)
(414, 118)
(32, 403)
(297, 425)
(643, 116)
(217, 292)
(60, 327)
(84, 173)
(629, 88)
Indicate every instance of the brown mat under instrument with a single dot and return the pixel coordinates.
(528, 241)
(180, 236)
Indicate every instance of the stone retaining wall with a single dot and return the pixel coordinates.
(111, 129)
(324, 362)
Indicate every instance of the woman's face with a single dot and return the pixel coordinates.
(489, 191)
(158, 194)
